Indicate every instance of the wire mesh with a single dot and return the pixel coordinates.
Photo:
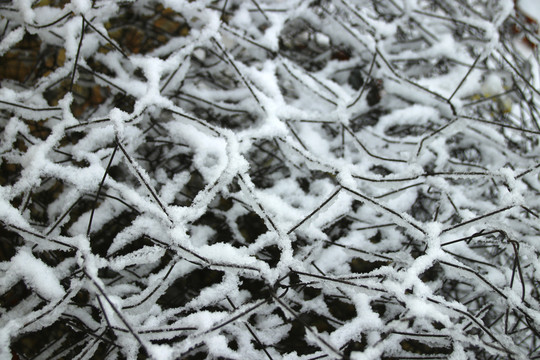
(229, 179)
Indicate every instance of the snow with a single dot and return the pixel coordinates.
(11, 39)
(530, 7)
(37, 275)
(81, 6)
(249, 174)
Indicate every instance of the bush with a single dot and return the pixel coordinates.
(229, 179)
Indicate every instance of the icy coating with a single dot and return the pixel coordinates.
(269, 179)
